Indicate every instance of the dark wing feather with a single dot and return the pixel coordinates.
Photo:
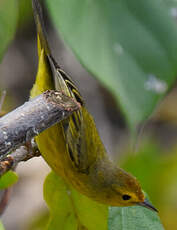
(74, 125)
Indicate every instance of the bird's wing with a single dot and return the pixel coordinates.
(74, 130)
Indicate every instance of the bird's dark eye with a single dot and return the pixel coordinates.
(126, 197)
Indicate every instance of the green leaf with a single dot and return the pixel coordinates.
(130, 46)
(171, 4)
(134, 218)
(69, 210)
(8, 22)
(8, 179)
(1, 226)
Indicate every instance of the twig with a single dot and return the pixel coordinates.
(20, 154)
(30, 119)
(5, 199)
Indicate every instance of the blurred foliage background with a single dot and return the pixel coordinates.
(154, 162)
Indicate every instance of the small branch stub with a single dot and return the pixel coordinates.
(20, 154)
(33, 117)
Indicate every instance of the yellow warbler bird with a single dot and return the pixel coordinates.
(73, 148)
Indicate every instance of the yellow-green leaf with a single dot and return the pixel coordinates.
(69, 210)
(1, 226)
(8, 179)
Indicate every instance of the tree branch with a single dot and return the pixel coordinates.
(33, 117)
(4, 199)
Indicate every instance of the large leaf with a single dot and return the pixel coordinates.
(8, 22)
(69, 210)
(134, 218)
(130, 46)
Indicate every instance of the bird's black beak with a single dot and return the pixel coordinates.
(146, 204)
